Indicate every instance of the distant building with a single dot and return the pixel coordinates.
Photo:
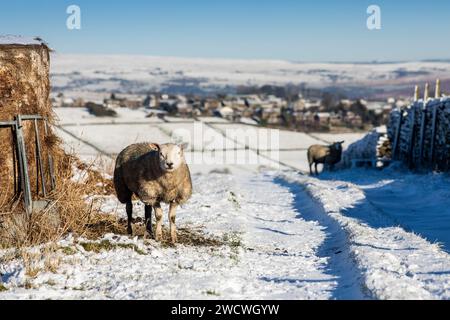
(226, 112)
(169, 105)
(150, 101)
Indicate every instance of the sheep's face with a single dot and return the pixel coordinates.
(337, 146)
(171, 157)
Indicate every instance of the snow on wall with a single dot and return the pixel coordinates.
(368, 148)
(20, 40)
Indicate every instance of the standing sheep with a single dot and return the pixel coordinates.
(327, 155)
(154, 173)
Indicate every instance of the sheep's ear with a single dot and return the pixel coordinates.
(184, 146)
(342, 142)
(157, 147)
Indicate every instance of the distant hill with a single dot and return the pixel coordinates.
(140, 74)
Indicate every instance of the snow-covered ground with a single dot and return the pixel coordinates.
(417, 202)
(395, 262)
(352, 234)
(273, 252)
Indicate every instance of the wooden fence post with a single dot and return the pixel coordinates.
(437, 93)
(416, 93)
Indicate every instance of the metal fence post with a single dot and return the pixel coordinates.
(15, 169)
(39, 165)
(50, 160)
(21, 175)
(22, 157)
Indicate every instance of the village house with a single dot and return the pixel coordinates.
(151, 101)
(124, 101)
(293, 112)
(209, 105)
(168, 104)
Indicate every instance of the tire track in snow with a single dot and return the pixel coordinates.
(395, 264)
(289, 224)
(335, 247)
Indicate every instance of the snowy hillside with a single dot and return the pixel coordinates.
(96, 73)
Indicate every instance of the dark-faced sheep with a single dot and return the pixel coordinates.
(155, 174)
(327, 155)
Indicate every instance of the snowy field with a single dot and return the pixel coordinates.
(78, 75)
(352, 234)
(90, 137)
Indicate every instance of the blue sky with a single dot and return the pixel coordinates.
(284, 29)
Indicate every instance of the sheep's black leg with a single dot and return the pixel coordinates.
(310, 169)
(158, 218)
(130, 217)
(148, 220)
(317, 171)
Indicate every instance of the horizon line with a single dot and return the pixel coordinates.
(373, 62)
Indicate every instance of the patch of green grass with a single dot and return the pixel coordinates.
(166, 245)
(97, 247)
(69, 251)
(212, 293)
(133, 247)
(78, 289)
(232, 239)
(50, 283)
(3, 288)
(106, 245)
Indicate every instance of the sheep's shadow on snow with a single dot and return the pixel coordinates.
(188, 236)
(277, 231)
(292, 280)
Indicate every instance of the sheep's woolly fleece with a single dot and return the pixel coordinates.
(141, 162)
